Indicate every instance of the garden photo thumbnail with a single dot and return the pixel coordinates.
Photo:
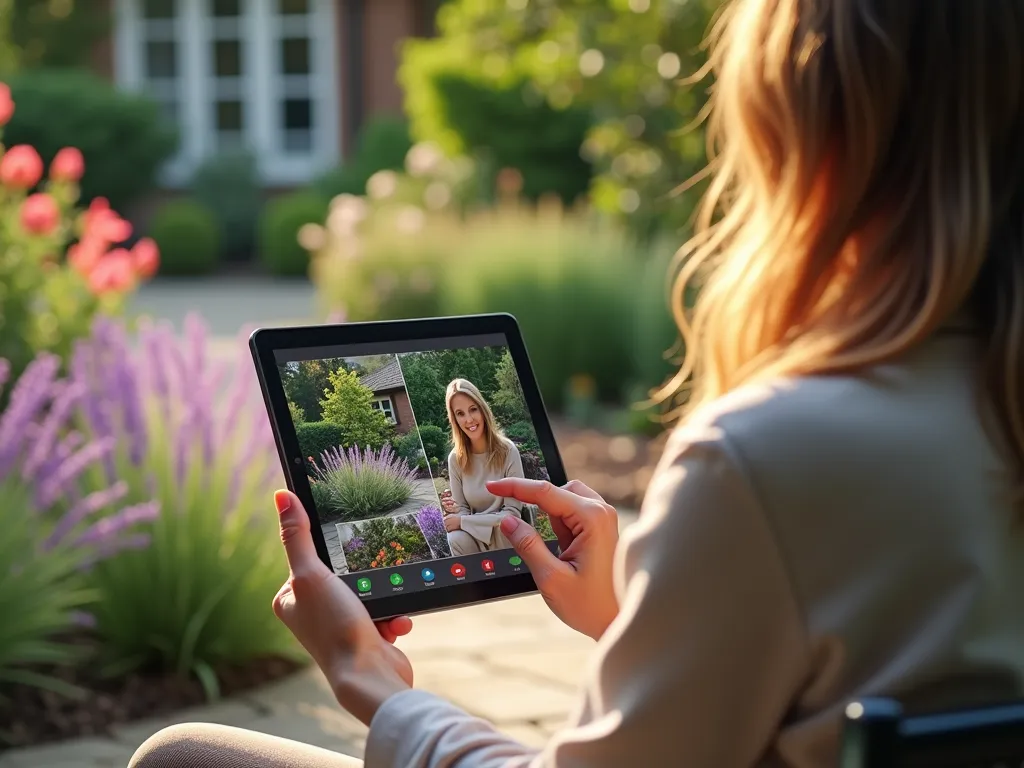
(367, 468)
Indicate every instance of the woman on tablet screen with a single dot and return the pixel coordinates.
(839, 513)
(481, 455)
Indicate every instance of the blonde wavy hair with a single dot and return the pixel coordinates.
(866, 188)
(497, 444)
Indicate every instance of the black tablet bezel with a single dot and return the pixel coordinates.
(264, 342)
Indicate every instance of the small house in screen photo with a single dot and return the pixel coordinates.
(390, 396)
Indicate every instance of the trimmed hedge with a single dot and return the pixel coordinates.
(318, 436)
(282, 219)
(188, 237)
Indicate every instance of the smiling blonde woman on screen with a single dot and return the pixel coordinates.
(839, 513)
(481, 454)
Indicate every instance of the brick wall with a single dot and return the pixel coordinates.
(403, 410)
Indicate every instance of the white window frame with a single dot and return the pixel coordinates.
(378, 403)
(262, 88)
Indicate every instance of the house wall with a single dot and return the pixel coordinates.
(403, 410)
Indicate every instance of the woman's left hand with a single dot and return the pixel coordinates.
(452, 523)
(355, 655)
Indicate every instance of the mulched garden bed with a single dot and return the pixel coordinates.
(617, 467)
(31, 716)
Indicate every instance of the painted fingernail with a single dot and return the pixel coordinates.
(283, 501)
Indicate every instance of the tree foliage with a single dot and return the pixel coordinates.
(308, 381)
(350, 405)
(619, 62)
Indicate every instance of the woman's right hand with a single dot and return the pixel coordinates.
(577, 585)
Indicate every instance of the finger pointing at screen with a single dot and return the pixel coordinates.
(577, 585)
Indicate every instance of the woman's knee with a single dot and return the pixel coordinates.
(204, 745)
(176, 746)
(462, 543)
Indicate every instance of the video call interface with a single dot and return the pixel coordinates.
(398, 470)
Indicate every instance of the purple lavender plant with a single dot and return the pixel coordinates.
(52, 530)
(40, 451)
(187, 426)
(364, 483)
(431, 523)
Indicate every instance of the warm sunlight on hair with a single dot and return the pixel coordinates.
(867, 189)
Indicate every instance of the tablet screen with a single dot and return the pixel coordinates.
(399, 441)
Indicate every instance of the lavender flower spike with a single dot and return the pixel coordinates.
(84, 509)
(51, 488)
(109, 528)
(431, 523)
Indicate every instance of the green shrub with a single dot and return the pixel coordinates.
(321, 496)
(124, 137)
(198, 598)
(188, 237)
(281, 221)
(228, 185)
(523, 435)
(436, 444)
(315, 437)
(45, 37)
(408, 446)
(382, 145)
(349, 403)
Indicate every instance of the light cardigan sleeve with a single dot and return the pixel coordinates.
(513, 468)
(455, 482)
(698, 669)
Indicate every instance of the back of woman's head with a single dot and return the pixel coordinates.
(867, 185)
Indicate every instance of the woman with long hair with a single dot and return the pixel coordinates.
(838, 513)
(481, 454)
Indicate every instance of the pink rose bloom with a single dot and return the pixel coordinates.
(114, 273)
(40, 214)
(84, 255)
(67, 165)
(6, 104)
(102, 223)
(21, 167)
(147, 258)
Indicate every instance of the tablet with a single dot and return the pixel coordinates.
(388, 433)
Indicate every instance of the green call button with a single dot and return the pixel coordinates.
(515, 560)
(363, 584)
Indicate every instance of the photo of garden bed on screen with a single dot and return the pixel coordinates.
(366, 466)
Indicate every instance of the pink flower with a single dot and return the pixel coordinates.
(40, 214)
(85, 254)
(114, 273)
(102, 223)
(21, 167)
(67, 165)
(146, 256)
(6, 104)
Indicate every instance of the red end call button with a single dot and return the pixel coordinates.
(488, 566)
(458, 570)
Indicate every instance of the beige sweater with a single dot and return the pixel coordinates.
(480, 509)
(802, 543)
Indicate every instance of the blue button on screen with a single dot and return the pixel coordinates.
(427, 574)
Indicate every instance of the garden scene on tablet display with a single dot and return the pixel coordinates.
(379, 452)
